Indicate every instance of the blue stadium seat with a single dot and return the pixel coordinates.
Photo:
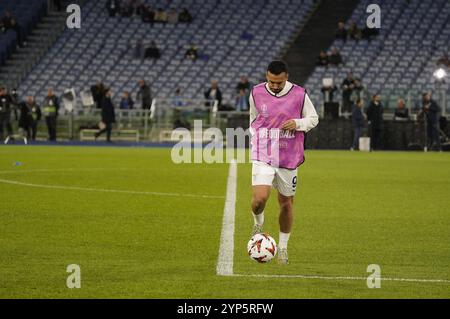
(103, 49)
(411, 34)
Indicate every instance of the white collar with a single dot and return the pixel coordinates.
(286, 89)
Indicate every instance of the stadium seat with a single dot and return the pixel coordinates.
(103, 49)
(411, 34)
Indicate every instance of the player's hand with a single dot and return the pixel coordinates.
(289, 125)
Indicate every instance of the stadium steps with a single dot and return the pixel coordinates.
(316, 35)
(295, 35)
(37, 44)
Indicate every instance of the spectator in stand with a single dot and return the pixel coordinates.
(214, 93)
(322, 59)
(152, 52)
(128, 9)
(140, 6)
(147, 14)
(108, 117)
(353, 32)
(328, 92)
(98, 92)
(335, 57)
(58, 5)
(375, 118)
(113, 7)
(191, 53)
(144, 95)
(30, 115)
(172, 16)
(138, 51)
(357, 122)
(15, 26)
(7, 20)
(347, 89)
(178, 99)
(244, 84)
(444, 60)
(185, 16)
(160, 16)
(368, 33)
(401, 112)
(127, 102)
(241, 101)
(341, 32)
(358, 89)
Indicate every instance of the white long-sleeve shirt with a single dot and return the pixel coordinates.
(309, 119)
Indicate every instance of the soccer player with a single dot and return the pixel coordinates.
(280, 115)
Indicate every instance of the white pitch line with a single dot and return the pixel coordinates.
(342, 278)
(226, 249)
(87, 189)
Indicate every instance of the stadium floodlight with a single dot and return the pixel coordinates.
(440, 74)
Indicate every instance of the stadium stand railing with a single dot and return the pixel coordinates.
(102, 49)
(155, 124)
(401, 60)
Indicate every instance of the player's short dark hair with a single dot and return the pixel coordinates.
(277, 67)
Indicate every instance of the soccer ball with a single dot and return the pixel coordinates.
(262, 248)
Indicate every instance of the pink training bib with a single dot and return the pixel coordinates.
(270, 144)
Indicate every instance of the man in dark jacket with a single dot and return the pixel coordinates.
(431, 110)
(335, 57)
(214, 93)
(108, 116)
(98, 92)
(322, 59)
(145, 95)
(113, 7)
(347, 89)
(341, 32)
(375, 118)
(357, 122)
(244, 84)
(185, 16)
(152, 51)
(30, 114)
(328, 91)
(5, 112)
(51, 108)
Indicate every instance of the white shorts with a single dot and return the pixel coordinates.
(282, 179)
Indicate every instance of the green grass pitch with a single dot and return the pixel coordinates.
(120, 214)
